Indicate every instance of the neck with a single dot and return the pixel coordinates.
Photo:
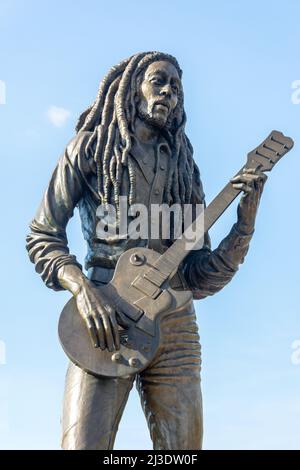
(145, 132)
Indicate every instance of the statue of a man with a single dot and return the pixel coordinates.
(131, 142)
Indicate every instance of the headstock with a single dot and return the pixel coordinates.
(269, 152)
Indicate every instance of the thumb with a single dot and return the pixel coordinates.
(122, 319)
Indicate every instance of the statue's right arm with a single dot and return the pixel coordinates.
(47, 246)
(47, 243)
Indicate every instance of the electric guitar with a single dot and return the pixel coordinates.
(140, 287)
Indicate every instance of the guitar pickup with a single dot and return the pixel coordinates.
(154, 276)
(146, 287)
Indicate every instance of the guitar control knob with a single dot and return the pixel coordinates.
(136, 259)
(117, 357)
(134, 362)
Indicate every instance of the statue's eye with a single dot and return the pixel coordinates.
(157, 81)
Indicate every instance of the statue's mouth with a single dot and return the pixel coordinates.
(162, 106)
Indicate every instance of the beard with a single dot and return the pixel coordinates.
(154, 121)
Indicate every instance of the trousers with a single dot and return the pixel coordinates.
(169, 391)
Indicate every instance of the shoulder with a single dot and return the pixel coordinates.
(77, 143)
(77, 154)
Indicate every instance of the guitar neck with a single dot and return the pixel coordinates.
(219, 204)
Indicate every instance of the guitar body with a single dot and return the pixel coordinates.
(143, 304)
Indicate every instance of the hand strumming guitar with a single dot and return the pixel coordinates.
(100, 318)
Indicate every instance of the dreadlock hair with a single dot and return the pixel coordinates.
(111, 119)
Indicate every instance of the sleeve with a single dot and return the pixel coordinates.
(207, 272)
(47, 243)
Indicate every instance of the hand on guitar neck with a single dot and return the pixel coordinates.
(251, 181)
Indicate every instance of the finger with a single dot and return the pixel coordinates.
(100, 331)
(264, 177)
(114, 326)
(242, 186)
(245, 178)
(115, 330)
(108, 332)
(260, 182)
(260, 173)
(92, 331)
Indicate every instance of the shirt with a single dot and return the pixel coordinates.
(74, 183)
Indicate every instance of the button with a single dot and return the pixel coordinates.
(117, 357)
(162, 167)
(134, 362)
(145, 161)
(156, 192)
(137, 259)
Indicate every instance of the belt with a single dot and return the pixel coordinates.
(99, 274)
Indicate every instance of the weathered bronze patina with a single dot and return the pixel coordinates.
(131, 142)
(141, 289)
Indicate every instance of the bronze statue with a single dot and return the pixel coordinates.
(131, 143)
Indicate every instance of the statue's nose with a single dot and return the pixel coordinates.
(166, 90)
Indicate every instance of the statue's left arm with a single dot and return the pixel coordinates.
(207, 272)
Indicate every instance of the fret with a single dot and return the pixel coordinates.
(273, 145)
(265, 153)
(165, 266)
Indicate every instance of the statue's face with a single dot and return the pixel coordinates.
(158, 93)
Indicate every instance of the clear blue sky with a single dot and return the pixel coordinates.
(239, 61)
